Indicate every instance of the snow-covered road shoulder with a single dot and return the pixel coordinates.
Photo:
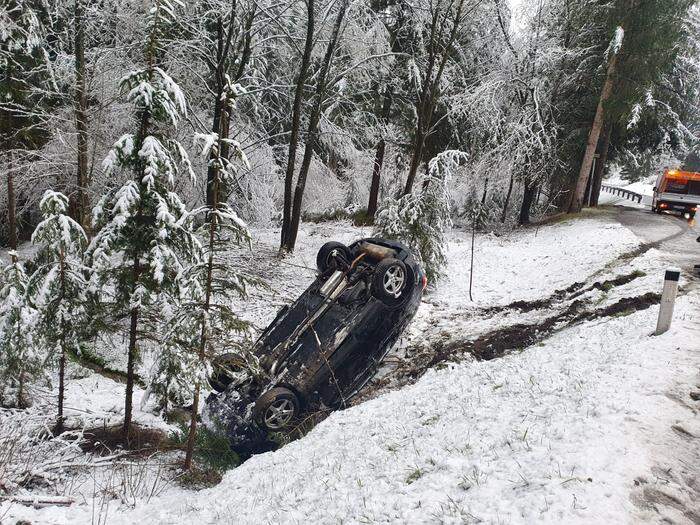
(573, 430)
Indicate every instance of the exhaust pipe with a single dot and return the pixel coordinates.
(334, 286)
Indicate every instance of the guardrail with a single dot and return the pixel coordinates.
(622, 192)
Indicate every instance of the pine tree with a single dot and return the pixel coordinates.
(145, 232)
(20, 359)
(57, 287)
(204, 321)
(420, 219)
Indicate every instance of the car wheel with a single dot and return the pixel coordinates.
(325, 259)
(223, 365)
(277, 408)
(390, 280)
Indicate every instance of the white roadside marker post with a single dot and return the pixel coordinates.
(668, 299)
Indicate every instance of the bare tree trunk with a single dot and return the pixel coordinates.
(192, 435)
(379, 159)
(11, 208)
(600, 166)
(427, 100)
(81, 203)
(579, 192)
(62, 359)
(312, 134)
(296, 122)
(61, 387)
(131, 359)
(416, 158)
(528, 198)
(508, 194)
(471, 264)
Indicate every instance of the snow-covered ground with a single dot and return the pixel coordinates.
(644, 187)
(593, 424)
(575, 430)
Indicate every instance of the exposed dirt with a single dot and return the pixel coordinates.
(516, 337)
(570, 292)
(139, 442)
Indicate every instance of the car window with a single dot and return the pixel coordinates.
(677, 186)
(694, 187)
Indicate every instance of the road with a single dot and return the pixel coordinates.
(673, 235)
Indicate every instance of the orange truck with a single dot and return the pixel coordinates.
(677, 191)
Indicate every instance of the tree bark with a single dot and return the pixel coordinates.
(296, 123)
(427, 99)
(312, 134)
(508, 194)
(131, 359)
(528, 199)
(213, 224)
(578, 195)
(81, 203)
(62, 358)
(600, 166)
(11, 208)
(379, 158)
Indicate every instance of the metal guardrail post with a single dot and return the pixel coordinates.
(668, 299)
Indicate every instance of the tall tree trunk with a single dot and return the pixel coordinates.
(61, 387)
(507, 202)
(11, 208)
(296, 122)
(600, 166)
(430, 93)
(62, 358)
(528, 199)
(379, 158)
(81, 204)
(218, 101)
(416, 158)
(131, 359)
(578, 195)
(312, 134)
(192, 435)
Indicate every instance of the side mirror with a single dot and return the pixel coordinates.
(654, 188)
(698, 239)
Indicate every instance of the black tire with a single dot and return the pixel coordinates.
(277, 409)
(325, 259)
(392, 281)
(220, 378)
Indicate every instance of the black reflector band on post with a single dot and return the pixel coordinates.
(672, 275)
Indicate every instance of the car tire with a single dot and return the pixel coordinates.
(391, 281)
(324, 258)
(277, 409)
(219, 379)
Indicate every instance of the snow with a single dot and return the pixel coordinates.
(579, 428)
(559, 432)
(644, 187)
(531, 263)
(617, 40)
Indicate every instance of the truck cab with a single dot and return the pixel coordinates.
(677, 191)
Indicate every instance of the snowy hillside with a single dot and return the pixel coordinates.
(574, 428)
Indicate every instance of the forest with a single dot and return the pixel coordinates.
(140, 140)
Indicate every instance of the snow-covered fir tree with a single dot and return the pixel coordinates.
(57, 286)
(205, 323)
(420, 219)
(145, 235)
(20, 359)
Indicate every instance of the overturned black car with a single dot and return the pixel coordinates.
(323, 348)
